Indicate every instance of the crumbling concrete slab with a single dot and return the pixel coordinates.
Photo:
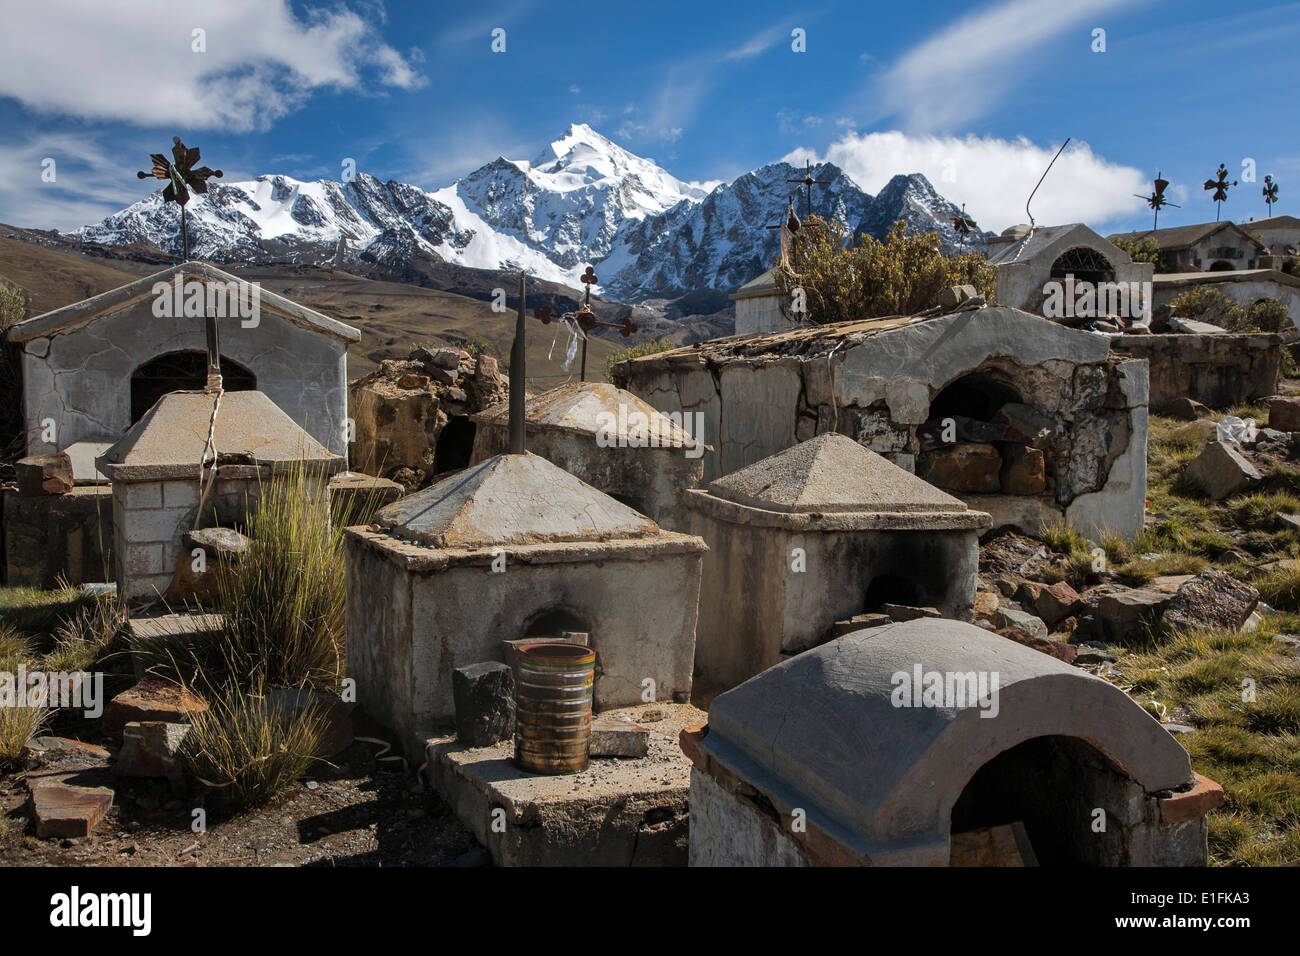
(617, 812)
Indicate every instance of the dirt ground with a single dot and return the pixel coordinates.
(360, 812)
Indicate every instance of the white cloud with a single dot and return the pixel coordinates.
(994, 177)
(88, 184)
(134, 60)
(958, 74)
(760, 42)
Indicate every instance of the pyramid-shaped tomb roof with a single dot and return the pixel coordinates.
(594, 408)
(828, 474)
(170, 439)
(511, 500)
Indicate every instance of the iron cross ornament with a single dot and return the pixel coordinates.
(1220, 187)
(182, 180)
(1157, 200)
(584, 318)
(1270, 192)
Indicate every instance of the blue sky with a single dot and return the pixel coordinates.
(977, 96)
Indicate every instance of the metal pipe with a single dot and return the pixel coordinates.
(518, 444)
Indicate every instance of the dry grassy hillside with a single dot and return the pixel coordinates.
(392, 316)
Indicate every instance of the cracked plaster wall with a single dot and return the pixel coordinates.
(81, 377)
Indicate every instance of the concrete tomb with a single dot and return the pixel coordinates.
(609, 438)
(155, 467)
(814, 535)
(1034, 265)
(883, 746)
(1019, 416)
(514, 547)
(92, 368)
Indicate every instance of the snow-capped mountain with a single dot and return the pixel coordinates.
(723, 241)
(583, 201)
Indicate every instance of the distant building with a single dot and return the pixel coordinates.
(1279, 234)
(1204, 247)
(758, 306)
(1245, 287)
(1028, 259)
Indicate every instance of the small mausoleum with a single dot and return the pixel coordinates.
(155, 469)
(510, 548)
(1019, 416)
(817, 534)
(1027, 259)
(759, 306)
(609, 438)
(933, 743)
(93, 368)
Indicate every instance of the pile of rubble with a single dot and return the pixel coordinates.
(1237, 457)
(1081, 627)
(412, 416)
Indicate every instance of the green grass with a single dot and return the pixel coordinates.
(284, 600)
(636, 351)
(1250, 746)
(86, 637)
(244, 753)
(1063, 537)
(39, 609)
(18, 724)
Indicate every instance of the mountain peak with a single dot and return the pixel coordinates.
(584, 201)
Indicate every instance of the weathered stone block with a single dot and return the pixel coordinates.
(59, 536)
(1024, 471)
(180, 494)
(153, 525)
(149, 750)
(484, 695)
(1188, 409)
(65, 811)
(966, 467)
(1051, 602)
(44, 474)
(1024, 423)
(1284, 414)
(1055, 648)
(1013, 617)
(337, 734)
(1222, 471)
(617, 738)
(152, 699)
(1213, 598)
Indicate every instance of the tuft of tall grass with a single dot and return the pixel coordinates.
(1063, 537)
(283, 601)
(18, 725)
(245, 752)
(82, 640)
(14, 644)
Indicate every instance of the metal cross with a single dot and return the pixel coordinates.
(964, 224)
(808, 183)
(1220, 187)
(182, 178)
(584, 318)
(1270, 193)
(1157, 200)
